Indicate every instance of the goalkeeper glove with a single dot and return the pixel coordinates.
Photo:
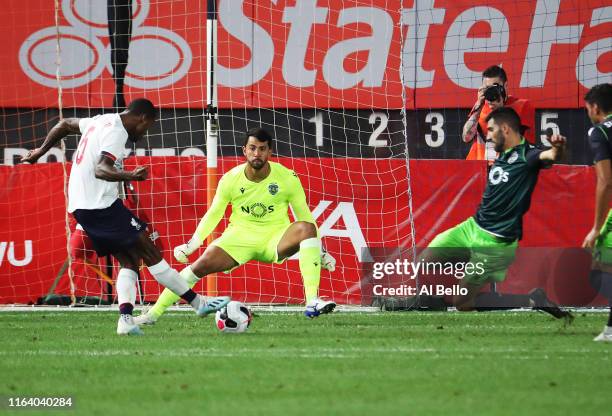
(183, 251)
(328, 262)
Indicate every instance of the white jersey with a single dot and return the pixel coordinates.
(103, 134)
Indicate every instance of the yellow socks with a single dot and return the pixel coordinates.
(310, 266)
(168, 298)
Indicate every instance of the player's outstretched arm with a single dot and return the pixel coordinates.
(556, 152)
(603, 193)
(62, 129)
(206, 226)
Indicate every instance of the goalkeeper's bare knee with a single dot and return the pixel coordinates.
(305, 230)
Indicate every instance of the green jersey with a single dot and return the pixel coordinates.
(507, 197)
(256, 204)
(599, 140)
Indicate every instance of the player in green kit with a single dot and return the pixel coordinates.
(260, 193)
(598, 103)
(491, 236)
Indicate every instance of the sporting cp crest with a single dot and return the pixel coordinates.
(513, 157)
(273, 188)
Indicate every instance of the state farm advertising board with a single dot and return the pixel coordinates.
(306, 53)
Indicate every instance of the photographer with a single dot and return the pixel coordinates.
(491, 95)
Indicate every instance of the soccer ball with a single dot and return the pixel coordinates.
(233, 318)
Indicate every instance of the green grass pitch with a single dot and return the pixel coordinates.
(346, 363)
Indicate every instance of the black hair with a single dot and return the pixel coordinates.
(495, 71)
(508, 116)
(142, 106)
(602, 96)
(260, 134)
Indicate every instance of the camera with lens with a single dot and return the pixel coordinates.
(495, 92)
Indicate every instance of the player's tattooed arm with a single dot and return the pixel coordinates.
(62, 129)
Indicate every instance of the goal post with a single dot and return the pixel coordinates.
(212, 123)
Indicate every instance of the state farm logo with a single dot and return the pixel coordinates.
(452, 34)
(158, 57)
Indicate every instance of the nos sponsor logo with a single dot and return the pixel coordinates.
(258, 210)
(10, 253)
(498, 175)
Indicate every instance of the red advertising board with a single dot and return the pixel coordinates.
(294, 53)
(357, 203)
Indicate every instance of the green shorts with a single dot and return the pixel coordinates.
(603, 246)
(489, 254)
(245, 244)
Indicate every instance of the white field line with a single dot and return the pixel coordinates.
(261, 309)
(349, 353)
(406, 326)
(115, 308)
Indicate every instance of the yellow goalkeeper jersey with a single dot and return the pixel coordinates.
(256, 204)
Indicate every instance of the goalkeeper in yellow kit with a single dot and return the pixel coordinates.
(260, 193)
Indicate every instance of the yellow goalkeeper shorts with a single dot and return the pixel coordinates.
(245, 244)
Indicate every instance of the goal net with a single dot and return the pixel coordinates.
(366, 101)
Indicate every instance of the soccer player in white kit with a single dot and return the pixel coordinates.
(93, 199)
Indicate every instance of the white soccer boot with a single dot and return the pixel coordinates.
(126, 326)
(605, 336)
(145, 318)
(319, 306)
